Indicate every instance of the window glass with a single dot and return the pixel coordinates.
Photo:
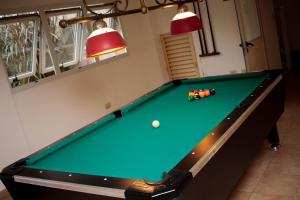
(17, 47)
(46, 61)
(65, 41)
(48, 64)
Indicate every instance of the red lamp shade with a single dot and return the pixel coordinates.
(185, 22)
(103, 41)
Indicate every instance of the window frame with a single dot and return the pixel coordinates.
(20, 19)
(76, 61)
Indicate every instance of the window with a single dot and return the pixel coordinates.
(65, 41)
(25, 48)
(19, 47)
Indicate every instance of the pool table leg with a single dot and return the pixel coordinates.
(273, 138)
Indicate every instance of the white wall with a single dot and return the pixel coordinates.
(225, 26)
(13, 144)
(160, 24)
(227, 39)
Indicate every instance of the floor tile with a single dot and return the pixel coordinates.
(257, 196)
(278, 184)
(4, 195)
(248, 182)
(297, 196)
(262, 160)
(286, 161)
(285, 124)
(238, 195)
(293, 136)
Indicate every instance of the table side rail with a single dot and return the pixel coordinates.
(217, 146)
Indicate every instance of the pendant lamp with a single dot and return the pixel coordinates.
(103, 40)
(185, 21)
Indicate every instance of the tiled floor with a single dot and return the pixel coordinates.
(275, 175)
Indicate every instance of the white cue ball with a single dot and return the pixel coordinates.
(155, 124)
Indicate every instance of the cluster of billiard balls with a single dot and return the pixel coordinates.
(199, 94)
(193, 94)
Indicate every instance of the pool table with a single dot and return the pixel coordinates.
(199, 151)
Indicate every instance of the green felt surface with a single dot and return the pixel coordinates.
(70, 139)
(129, 147)
(146, 98)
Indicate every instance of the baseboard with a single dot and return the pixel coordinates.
(4, 194)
